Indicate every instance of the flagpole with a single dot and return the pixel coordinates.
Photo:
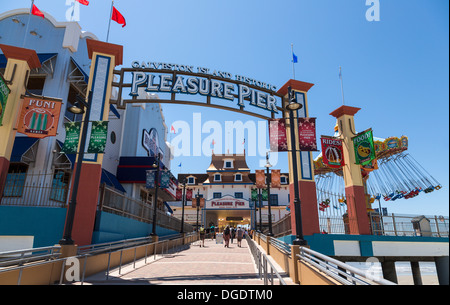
(342, 85)
(293, 63)
(110, 16)
(29, 19)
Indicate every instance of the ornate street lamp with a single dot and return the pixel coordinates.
(78, 108)
(182, 205)
(157, 165)
(292, 106)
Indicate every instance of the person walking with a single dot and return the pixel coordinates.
(202, 236)
(226, 236)
(233, 234)
(239, 236)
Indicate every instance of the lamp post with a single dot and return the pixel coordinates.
(78, 108)
(183, 198)
(291, 107)
(198, 206)
(156, 164)
(268, 166)
(260, 208)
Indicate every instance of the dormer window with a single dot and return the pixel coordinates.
(191, 180)
(228, 164)
(217, 177)
(283, 180)
(238, 177)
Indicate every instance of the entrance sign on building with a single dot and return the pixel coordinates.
(4, 93)
(227, 202)
(72, 137)
(39, 117)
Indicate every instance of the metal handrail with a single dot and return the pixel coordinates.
(342, 272)
(21, 257)
(280, 245)
(263, 264)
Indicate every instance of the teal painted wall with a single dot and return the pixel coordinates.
(110, 227)
(45, 224)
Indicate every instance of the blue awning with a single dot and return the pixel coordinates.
(168, 207)
(111, 180)
(43, 57)
(72, 157)
(21, 146)
(85, 75)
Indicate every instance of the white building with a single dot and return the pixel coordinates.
(226, 189)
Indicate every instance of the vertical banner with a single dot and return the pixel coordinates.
(332, 152)
(39, 117)
(307, 134)
(72, 137)
(254, 194)
(277, 135)
(164, 179)
(260, 178)
(150, 179)
(99, 135)
(201, 203)
(275, 178)
(179, 195)
(4, 93)
(188, 195)
(364, 147)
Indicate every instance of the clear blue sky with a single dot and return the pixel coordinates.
(396, 70)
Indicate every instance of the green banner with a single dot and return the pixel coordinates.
(72, 137)
(99, 135)
(364, 147)
(4, 92)
(264, 194)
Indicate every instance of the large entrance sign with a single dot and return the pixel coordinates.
(241, 94)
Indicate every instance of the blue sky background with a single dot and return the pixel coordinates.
(396, 70)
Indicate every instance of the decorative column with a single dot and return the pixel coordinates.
(358, 219)
(105, 57)
(305, 170)
(20, 62)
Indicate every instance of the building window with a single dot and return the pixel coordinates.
(283, 180)
(217, 177)
(191, 180)
(36, 85)
(15, 180)
(217, 195)
(238, 177)
(228, 164)
(60, 186)
(273, 199)
(238, 195)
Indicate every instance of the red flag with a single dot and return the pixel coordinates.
(117, 17)
(172, 129)
(84, 2)
(36, 11)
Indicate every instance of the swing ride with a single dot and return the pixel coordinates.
(393, 175)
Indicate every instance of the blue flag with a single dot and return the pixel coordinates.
(294, 58)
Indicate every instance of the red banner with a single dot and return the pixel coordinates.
(307, 134)
(277, 135)
(179, 195)
(188, 195)
(332, 153)
(39, 117)
(260, 179)
(275, 178)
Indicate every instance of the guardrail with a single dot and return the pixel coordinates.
(343, 273)
(46, 266)
(263, 264)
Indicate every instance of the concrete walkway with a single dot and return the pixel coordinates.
(210, 265)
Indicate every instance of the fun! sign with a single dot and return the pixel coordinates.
(39, 117)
